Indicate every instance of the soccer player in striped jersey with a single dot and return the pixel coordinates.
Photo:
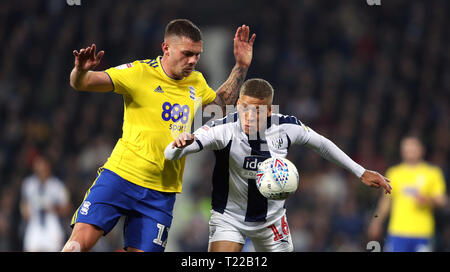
(160, 98)
(240, 141)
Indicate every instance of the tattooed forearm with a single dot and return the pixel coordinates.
(229, 91)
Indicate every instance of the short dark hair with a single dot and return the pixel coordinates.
(183, 28)
(257, 88)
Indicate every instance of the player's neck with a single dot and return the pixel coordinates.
(165, 67)
(43, 178)
(413, 163)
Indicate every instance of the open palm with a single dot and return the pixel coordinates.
(243, 47)
(87, 58)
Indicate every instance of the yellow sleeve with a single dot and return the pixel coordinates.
(438, 183)
(124, 76)
(208, 94)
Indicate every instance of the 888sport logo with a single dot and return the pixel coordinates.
(176, 113)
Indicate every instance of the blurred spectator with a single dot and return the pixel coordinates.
(44, 202)
(195, 237)
(6, 216)
(347, 221)
(301, 236)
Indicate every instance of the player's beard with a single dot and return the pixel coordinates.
(187, 71)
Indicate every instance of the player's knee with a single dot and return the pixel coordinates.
(72, 246)
(78, 244)
(83, 238)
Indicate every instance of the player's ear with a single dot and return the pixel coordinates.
(165, 48)
(238, 101)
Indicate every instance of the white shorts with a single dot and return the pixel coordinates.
(37, 238)
(274, 238)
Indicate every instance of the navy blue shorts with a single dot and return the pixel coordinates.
(407, 244)
(148, 213)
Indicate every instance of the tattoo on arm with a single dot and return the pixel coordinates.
(227, 93)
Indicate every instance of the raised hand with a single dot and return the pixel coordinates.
(243, 47)
(87, 59)
(375, 179)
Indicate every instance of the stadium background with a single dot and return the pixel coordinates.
(362, 75)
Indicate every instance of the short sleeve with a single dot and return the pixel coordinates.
(124, 76)
(438, 183)
(208, 94)
(390, 175)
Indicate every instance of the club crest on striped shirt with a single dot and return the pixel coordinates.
(277, 142)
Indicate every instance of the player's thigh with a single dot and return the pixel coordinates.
(143, 233)
(225, 246)
(274, 238)
(224, 236)
(105, 201)
(147, 226)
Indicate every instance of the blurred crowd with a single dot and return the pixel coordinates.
(363, 76)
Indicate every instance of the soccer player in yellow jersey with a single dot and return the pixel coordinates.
(418, 188)
(160, 98)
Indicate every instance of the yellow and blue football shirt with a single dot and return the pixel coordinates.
(157, 108)
(408, 218)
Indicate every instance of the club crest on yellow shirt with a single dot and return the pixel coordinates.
(192, 92)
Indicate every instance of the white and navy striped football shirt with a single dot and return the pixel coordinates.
(234, 191)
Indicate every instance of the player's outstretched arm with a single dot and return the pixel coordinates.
(82, 78)
(331, 152)
(182, 146)
(228, 92)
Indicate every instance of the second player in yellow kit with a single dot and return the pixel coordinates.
(160, 99)
(409, 217)
(157, 109)
(418, 188)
